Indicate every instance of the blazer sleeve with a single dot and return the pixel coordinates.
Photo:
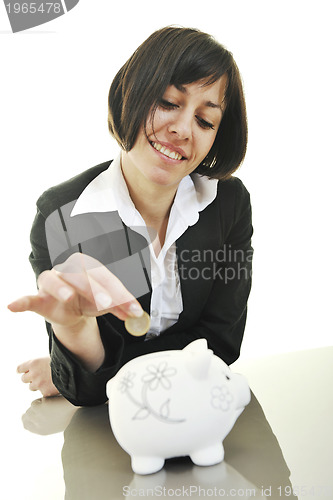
(219, 317)
(74, 382)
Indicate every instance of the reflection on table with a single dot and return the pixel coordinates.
(96, 467)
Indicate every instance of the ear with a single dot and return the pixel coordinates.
(198, 363)
(199, 345)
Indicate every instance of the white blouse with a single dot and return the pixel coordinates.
(108, 192)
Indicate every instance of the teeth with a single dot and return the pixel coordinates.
(170, 154)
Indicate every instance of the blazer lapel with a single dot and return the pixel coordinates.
(196, 249)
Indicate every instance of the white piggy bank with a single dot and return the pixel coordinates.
(175, 403)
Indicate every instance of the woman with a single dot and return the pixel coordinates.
(163, 228)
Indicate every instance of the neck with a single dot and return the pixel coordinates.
(152, 205)
(153, 201)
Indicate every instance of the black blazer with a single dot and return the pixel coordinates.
(214, 262)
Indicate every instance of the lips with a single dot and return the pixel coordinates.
(169, 150)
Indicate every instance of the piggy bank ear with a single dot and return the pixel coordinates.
(198, 359)
(197, 346)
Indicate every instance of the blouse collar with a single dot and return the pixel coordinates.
(108, 192)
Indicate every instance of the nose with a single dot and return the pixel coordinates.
(181, 126)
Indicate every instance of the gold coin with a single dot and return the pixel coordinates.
(138, 326)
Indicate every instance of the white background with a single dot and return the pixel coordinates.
(53, 124)
(53, 100)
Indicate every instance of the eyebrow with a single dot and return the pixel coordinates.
(209, 104)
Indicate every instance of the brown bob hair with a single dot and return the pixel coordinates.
(179, 56)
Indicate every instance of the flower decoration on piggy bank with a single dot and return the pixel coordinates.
(175, 403)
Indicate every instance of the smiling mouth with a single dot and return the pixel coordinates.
(174, 155)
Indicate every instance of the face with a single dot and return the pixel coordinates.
(179, 136)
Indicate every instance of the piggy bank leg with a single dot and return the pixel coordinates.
(210, 455)
(146, 465)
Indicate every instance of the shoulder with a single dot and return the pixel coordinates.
(232, 197)
(232, 189)
(69, 190)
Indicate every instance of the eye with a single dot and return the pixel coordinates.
(204, 124)
(167, 104)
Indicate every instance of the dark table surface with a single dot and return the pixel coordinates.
(280, 447)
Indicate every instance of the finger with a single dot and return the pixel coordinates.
(98, 294)
(103, 302)
(50, 282)
(120, 295)
(94, 294)
(26, 378)
(123, 302)
(122, 298)
(119, 313)
(36, 303)
(32, 387)
(26, 303)
(23, 367)
(73, 272)
(82, 270)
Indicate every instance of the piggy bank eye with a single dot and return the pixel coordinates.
(228, 378)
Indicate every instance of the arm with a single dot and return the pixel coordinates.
(69, 303)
